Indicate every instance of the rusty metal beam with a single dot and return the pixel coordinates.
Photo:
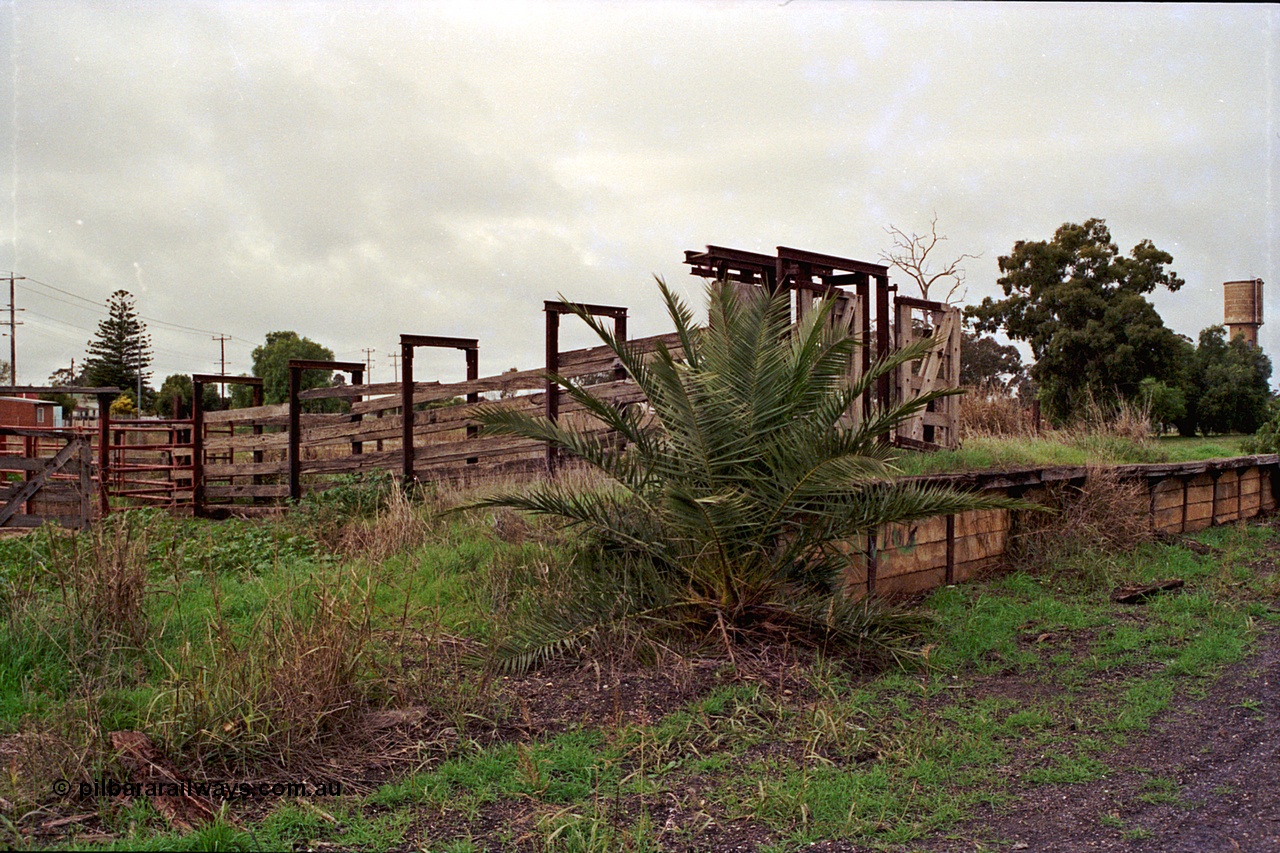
(309, 364)
(220, 379)
(440, 342)
(830, 262)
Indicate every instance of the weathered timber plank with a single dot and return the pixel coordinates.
(245, 469)
(249, 415)
(19, 463)
(350, 392)
(906, 560)
(981, 521)
(1168, 520)
(37, 520)
(1168, 494)
(572, 363)
(894, 536)
(246, 443)
(29, 488)
(234, 491)
(974, 568)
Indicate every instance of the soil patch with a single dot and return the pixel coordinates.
(1205, 778)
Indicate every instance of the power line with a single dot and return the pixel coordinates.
(102, 306)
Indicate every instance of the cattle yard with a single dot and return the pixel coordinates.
(254, 460)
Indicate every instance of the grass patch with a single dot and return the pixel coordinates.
(242, 661)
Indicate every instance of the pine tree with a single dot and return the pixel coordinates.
(121, 348)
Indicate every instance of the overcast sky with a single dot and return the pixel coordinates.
(353, 171)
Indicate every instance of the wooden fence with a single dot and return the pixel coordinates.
(1179, 498)
(251, 459)
(45, 475)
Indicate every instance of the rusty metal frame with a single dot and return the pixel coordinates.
(802, 270)
(198, 381)
(471, 349)
(296, 366)
(553, 309)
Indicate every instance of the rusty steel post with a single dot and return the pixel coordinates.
(295, 433)
(197, 448)
(406, 408)
(357, 447)
(951, 549)
(553, 366)
(473, 373)
(882, 338)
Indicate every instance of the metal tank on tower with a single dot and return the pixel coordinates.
(1242, 309)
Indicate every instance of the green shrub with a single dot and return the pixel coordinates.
(728, 512)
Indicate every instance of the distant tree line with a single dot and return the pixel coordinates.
(120, 356)
(1081, 306)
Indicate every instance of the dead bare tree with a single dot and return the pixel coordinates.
(911, 254)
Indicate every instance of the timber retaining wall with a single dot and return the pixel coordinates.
(1180, 498)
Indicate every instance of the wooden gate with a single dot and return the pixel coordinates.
(35, 487)
(938, 425)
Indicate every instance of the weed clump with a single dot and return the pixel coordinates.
(290, 678)
(992, 412)
(1103, 515)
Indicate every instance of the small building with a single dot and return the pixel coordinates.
(25, 412)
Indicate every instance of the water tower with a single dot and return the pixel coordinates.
(1242, 309)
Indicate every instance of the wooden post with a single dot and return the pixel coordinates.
(197, 448)
(104, 453)
(295, 434)
(864, 334)
(258, 455)
(553, 366)
(882, 339)
(86, 484)
(408, 478)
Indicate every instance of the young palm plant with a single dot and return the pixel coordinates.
(733, 508)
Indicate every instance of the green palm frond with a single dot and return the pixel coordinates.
(742, 472)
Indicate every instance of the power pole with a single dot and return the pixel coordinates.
(222, 342)
(395, 366)
(368, 364)
(13, 329)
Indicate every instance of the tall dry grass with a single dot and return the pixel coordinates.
(992, 412)
(291, 680)
(1093, 521)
